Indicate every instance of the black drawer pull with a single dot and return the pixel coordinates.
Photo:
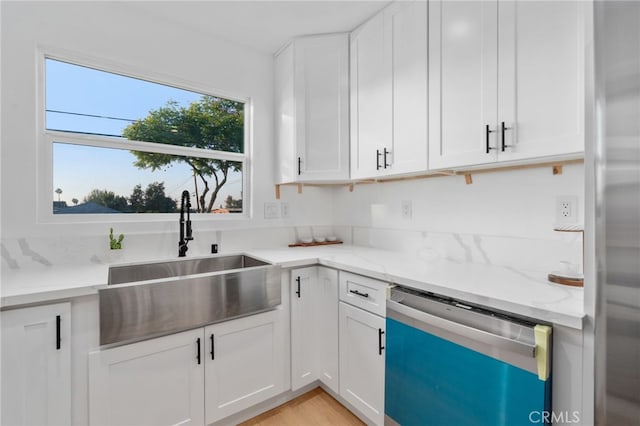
(198, 349)
(212, 351)
(385, 158)
(380, 347)
(299, 166)
(356, 292)
(487, 132)
(504, 129)
(298, 290)
(378, 154)
(58, 336)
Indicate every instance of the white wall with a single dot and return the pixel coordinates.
(503, 217)
(122, 33)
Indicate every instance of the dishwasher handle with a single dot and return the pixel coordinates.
(512, 351)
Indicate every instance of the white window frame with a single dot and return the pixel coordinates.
(46, 139)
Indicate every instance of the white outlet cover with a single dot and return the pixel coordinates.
(284, 210)
(271, 211)
(566, 209)
(406, 208)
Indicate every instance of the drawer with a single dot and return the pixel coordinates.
(363, 292)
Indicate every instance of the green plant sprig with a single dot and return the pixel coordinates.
(115, 244)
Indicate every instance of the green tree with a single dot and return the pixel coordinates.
(74, 201)
(156, 201)
(107, 199)
(151, 200)
(58, 191)
(210, 123)
(136, 200)
(230, 203)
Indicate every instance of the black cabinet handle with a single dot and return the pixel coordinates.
(380, 347)
(58, 336)
(487, 132)
(212, 351)
(385, 158)
(299, 166)
(378, 154)
(298, 291)
(503, 129)
(198, 350)
(358, 293)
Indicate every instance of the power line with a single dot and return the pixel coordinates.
(91, 115)
(87, 133)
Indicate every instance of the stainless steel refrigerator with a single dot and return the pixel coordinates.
(616, 162)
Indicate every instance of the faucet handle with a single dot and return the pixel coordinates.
(189, 231)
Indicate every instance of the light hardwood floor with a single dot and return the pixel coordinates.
(314, 408)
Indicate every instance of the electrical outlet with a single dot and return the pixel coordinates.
(271, 211)
(284, 210)
(407, 209)
(567, 209)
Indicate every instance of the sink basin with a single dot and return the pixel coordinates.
(153, 299)
(179, 268)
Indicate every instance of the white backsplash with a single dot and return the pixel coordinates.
(504, 218)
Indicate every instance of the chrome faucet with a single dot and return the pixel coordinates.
(184, 239)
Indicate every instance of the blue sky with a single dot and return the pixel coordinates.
(79, 169)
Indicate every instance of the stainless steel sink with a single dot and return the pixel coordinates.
(179, 268)
(153, 299)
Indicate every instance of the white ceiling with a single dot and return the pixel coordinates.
(264, 25)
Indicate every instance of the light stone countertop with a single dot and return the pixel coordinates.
(521, 292)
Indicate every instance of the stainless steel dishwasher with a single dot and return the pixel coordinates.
(449, 363)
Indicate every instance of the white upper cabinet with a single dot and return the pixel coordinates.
(312, 109)
(505, 80)
(389, 92)
(408, 21)
(371, 128)
(541, 68)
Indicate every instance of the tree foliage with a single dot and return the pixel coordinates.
(210, 123)
(151, 200)
(108, 199)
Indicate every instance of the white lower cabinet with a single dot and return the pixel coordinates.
(327, 328)
(194, 377)
(154, 382)
(36, 365)
(314, 327)
(244, 363)
(303, 324)
(362, 361)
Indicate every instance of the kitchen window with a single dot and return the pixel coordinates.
(126, 146)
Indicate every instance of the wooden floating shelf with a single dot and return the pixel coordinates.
(556, 167)
(323, 243)
(573, 282)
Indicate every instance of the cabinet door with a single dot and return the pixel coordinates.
(463, 43)
(322, 106)
(541, 83)
(154, 382)
(287, 169)
(244, 363)
(408, 27)
(362, 361)
(36, 365)
(327, 328)
(371, 125)
(303, 319)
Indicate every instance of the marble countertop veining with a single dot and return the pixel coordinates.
(521, 292)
